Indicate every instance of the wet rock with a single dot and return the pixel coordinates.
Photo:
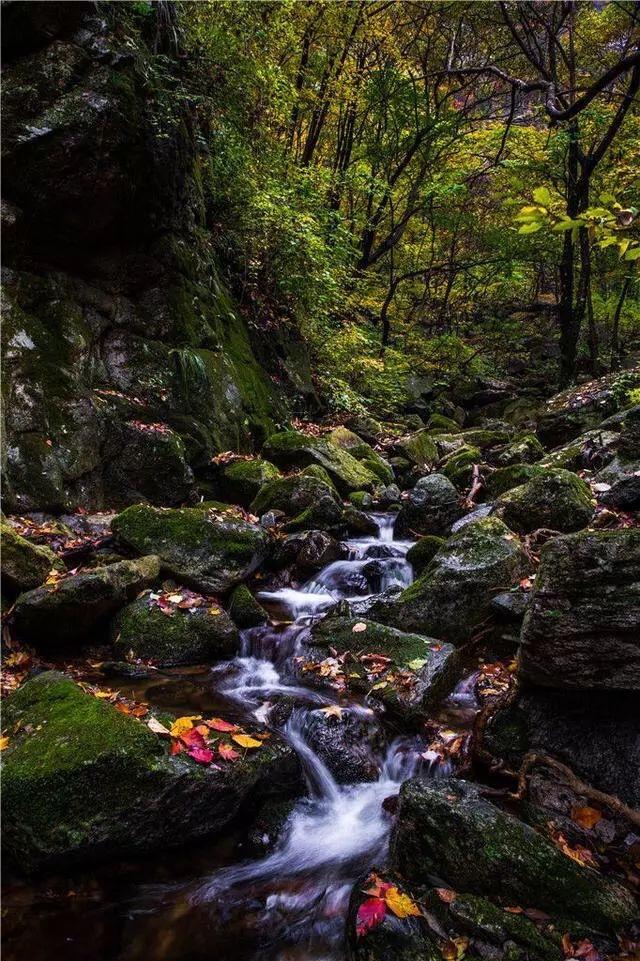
(577, 728)
(294, 449)
(510, 606)
(348, 743)
(389, 496)
(123, 670)
(480, 512)
(244, 609)
(361, 500)
(524, 450)
(589, 451)
(23, 565)
(241, 480)
(358, 522)
(292, 494)
(447, 830)
(72, 608)
(583, 625)
(346, 440)
(208, 550)
(309, 550)
(83, 782)
(558, 500)
(431, 508)
(579, 409)
(144, 631)
(419, 449)
(324, 514)
(623, 478)
(453, 596)
(423, 552)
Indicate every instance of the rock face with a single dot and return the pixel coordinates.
(24, 565)
(445, 829)
(92, 783)
(345, 744)
(578, 728)
(582, 630)
(119, 331)
(453, 595)
(557, 499)
(431, 508)
(622, 475)
(189, 636)
(207, 549)
(294, 449)
(75, 606)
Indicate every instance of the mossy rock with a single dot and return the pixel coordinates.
(446, 829)
(596, 446)
(486, 438)
(423, 552)
(453, 595)
(439, 424)
(418, 448)
(459, 466)
(208, 550)
(505, 478)
(83, 782)
(324, 514)
(582, 629)
(581, 408)
(244, 609)
(556, 499)
(294, 449)
(623, 477)
(361, 500)
(524, 450)
(72, 608)
(241, 480)
(193, 636)
(314, 470)
(358, 448)
(23, 565)
(150, 464)
(291, 494)
(433, 667)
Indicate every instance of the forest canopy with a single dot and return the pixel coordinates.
(426, 185)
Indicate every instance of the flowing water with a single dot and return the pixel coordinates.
(292, 902)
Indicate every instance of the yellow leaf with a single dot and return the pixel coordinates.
(245, 741)
(401, 904)
(183, 724)
(332, 711)
(4, 743)
(379, 686)
(215, 611)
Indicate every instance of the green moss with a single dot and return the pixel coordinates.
(423, 552)
(459, 466)
(418, 448)
(360, 499)
(556, 499)
(291, 494)
(439, 424)
(241, 480)
(505, 478)
(294, 449)
(190, 636)
(244, 609)
(24, 565)
(524, 450)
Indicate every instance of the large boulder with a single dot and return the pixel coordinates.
(423, 551)
(293, 449)
(241, 479)
(346, 439)
(209, 550)
(618, 484)
(156, 629)
(524, 450)
(458, 466)
(447, 830)
(506, 478)
(309, 550)
(578, 409)
(582, 629)
(557, 499)
(578, 728)
(23, 565)
(292, 495)
(589, 451)
(83, 782)
(454, 594)
(72, 607)
(348, 743)
(419, 449)
(149, 463)
(431, 508)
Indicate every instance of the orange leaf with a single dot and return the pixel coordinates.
(586, 817)
(217, 724)
(227, 752)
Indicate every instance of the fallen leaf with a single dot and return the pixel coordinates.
(447, 895)
(217, 724)
(182, 724)
(245, 741)
(454, 949)
(370, 914)
(358, 628)
(401, 904)
(586, 817)
(333, 711)
(176, 747)
(4, 743)
(417, 663)
(227, 752)
(380, 685)
(154, 725)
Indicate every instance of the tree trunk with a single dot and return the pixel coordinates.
(615, 329)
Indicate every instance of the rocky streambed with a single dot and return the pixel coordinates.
(377, 701)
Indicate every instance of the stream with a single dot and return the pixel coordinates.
(291, 903)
